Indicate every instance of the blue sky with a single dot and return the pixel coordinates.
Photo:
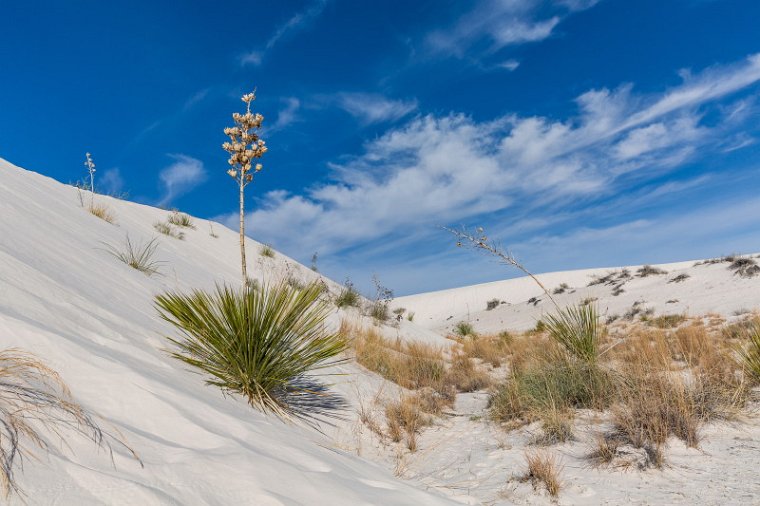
(579, 133)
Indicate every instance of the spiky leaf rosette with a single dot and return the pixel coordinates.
(578, 330)
(259, 343)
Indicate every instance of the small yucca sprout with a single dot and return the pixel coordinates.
(244, 146)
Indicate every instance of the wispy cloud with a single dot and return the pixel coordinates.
(510, 65)
(287, 115)
(436, 170)
(374, 108)
(297, 22)
(501, 23)
(180, 177)
(111, 181)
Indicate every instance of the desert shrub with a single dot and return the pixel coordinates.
(35, 402)
(543, 469)
(137, 256)
(180, 219)
(464, 328)
(744, 267)
(547, 383)
(102, 211)
(648, 270)
(348, 296)
(680, 278)
(261, 344)
(410, 316)
(492, 304)
(379, 307)
(379, 311)
(266, 251)
(562, 288)
(578, 330)
(556, 427)
(167, 229)
(617, 291)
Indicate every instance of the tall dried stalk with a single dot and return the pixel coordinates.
(91, 169)
(480, 241)
(244, 146)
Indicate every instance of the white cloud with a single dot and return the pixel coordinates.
(502, 23)
(373, 108)
(287, 114)
(180, 177)
(297, 22)
(112, 182)
(444, 170)
(510, 65)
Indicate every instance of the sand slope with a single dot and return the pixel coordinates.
(91, 317)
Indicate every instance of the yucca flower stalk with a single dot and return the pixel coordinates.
(91, 169)
(244, 147)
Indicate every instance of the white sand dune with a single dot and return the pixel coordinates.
(707, 288)
(64, 298)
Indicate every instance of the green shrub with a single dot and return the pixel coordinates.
(464, 329)
(556, 384)
(266, 251)
(259, 343)
(348, 296)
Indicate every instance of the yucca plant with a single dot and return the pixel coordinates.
(750, 355)
(138, 257)
(260, 343)
(36, 403)
(180, 219)
(577, 329)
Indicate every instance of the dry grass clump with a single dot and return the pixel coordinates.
(411, 365)
(543, 469)
(671, 384)
(266, 251)
(680, 278)
(464, 375)
(102, 211)
(666, 321)
(167, 229)
(180, 220)
(35, 403)
(488, 348)
(405, 418)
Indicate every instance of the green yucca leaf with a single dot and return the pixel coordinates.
(577, 329)
(750, 355)
(259, 343)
